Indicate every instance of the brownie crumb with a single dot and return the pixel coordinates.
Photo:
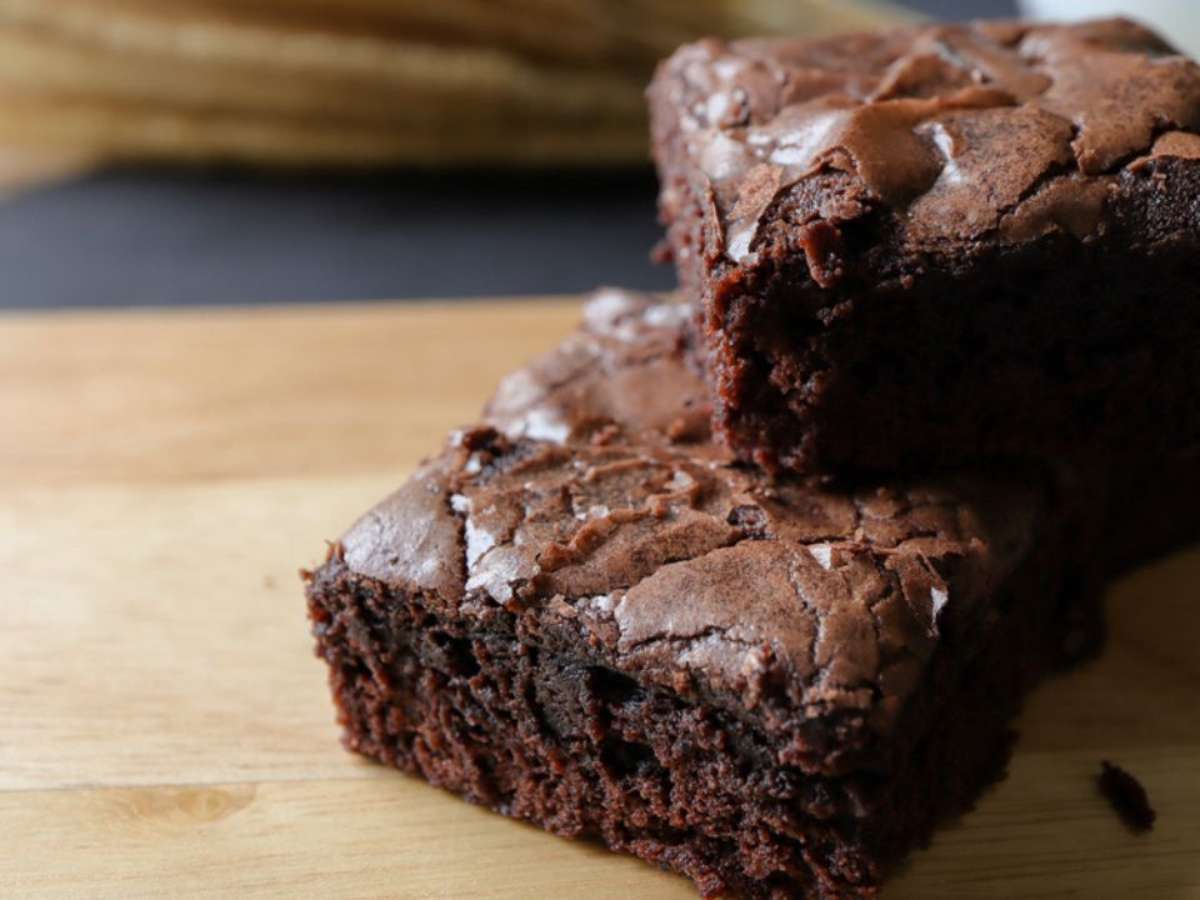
(1127, 797)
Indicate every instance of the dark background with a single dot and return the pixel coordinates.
(147, 237)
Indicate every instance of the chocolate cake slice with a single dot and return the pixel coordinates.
(919, 247)
(586, 615)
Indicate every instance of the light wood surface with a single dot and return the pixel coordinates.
(165, 729)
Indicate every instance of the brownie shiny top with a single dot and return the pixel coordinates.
(645, 545)
(627, 374)
(1001, 129)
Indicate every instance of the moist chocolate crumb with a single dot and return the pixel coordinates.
(1127, 796)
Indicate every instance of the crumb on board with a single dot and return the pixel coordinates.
(1127, 796)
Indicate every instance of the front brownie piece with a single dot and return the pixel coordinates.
(939, 244)
(769, 688)
(598, 623)
(628, 373)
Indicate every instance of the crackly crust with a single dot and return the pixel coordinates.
(628, 373)
(967, 132)
(815, 609)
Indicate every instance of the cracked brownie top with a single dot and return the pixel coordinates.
(640, 543)
(1001, 130)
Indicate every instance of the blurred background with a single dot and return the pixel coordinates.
(164, 152)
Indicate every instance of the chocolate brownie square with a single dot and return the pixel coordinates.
(924, 246)
(586, 615)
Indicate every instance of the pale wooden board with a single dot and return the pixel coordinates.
(187, 396)
(164, 727)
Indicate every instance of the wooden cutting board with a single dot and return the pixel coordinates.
(164, 727)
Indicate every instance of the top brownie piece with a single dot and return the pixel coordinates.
(927, 245)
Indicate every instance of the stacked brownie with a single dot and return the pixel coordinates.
(751, 583)
(918, 248)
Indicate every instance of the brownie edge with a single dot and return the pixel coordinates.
(935, 244)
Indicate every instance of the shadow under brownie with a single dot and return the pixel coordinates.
(940, 244)
(586, 615)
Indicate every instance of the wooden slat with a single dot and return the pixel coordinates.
(329, 839)
(23, 168)
(158, 636)
(161, 396)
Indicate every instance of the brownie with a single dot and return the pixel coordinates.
(939, 244)
(585, 614)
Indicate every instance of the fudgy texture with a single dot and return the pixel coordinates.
(925, 246)
(593, 620)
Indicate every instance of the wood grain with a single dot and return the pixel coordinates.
(183, 395)
(164, 728)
